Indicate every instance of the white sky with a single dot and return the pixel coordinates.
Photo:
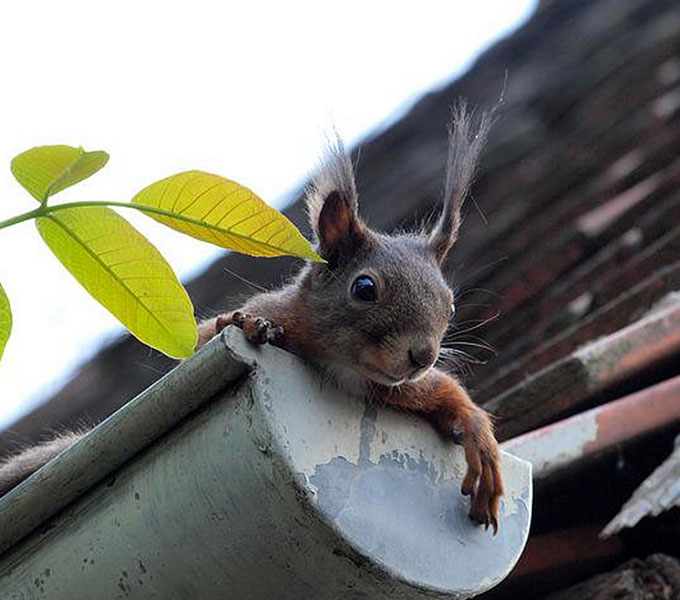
(244, 90)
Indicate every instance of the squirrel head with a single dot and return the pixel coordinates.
(381, 303)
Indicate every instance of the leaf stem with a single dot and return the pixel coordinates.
(46, 209)
(140, 207)
(31, 214)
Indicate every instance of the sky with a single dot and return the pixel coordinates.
(246, 90)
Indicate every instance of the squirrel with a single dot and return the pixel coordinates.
(372, 317)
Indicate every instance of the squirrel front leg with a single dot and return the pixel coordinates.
(257, 330)
(444, 402)
(267, 318)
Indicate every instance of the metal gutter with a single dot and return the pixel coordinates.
(116, 440)
(241, 475)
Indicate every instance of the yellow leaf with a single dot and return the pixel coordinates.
(5, 320)
(120, 268)
(222, 212)
(46, 170)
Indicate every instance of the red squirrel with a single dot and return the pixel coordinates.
(372, 317)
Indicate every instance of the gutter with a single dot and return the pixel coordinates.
(241, 475)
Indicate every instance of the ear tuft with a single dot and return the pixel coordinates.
(468, 131)
(332, 202)
(334, 174)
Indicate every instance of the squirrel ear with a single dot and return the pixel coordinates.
(332, 199)
(467, 134)
(338, 224)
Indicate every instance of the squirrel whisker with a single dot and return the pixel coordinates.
(473, 290)
(482, 346)
(491, 265)
(478, 324)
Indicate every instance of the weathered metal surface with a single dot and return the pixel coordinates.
(281, 487)
(658, 493)
(582, 437)
(569, 383)
(116, 440)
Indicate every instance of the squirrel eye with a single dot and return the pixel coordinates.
(364, 289)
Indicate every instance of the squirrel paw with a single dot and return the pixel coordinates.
(256, 329)
(483, 480)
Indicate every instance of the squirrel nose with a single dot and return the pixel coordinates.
(421, 356)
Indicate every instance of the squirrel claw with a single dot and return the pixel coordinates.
(256, 329)
(276, 335)
(483, 481)
(221, 321)
(236, 318)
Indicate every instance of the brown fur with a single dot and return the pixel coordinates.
(16, 468)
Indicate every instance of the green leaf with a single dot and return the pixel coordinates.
(46, 170)
(222, 212)
(5, 320)
(122, 270)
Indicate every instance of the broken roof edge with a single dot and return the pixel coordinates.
(323, 453)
